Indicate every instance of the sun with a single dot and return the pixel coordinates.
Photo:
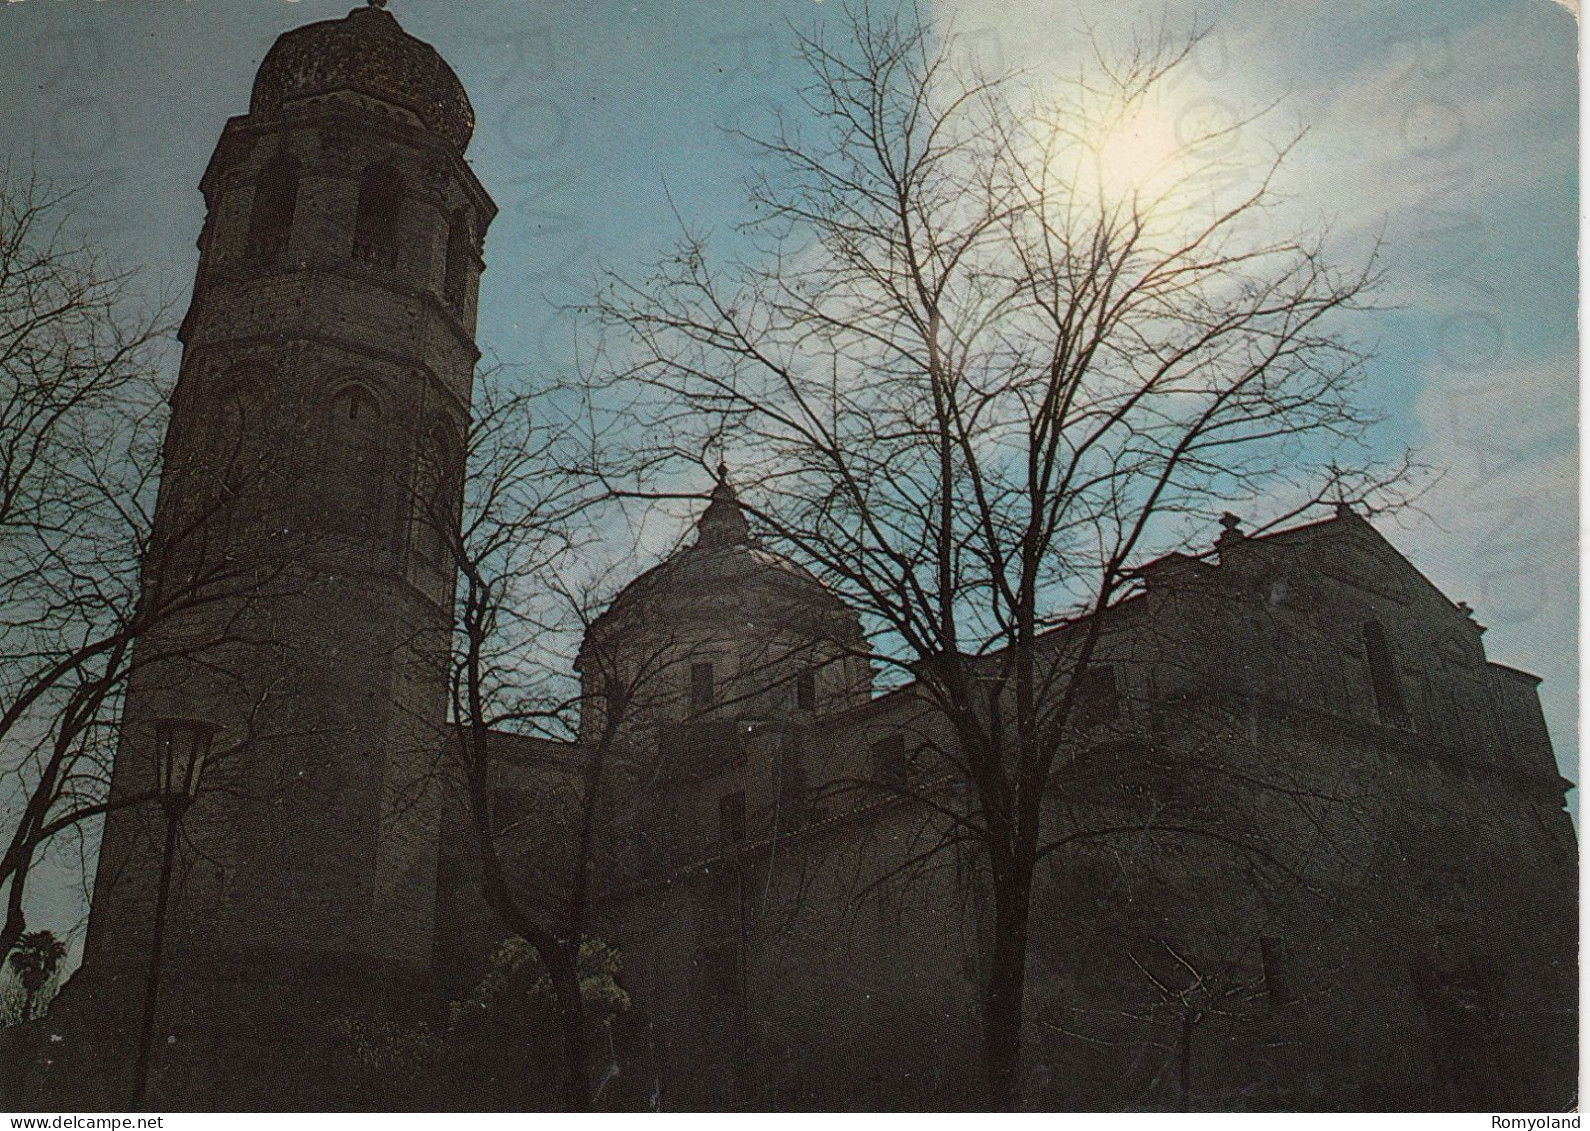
(1139, 155)
(1165, 157)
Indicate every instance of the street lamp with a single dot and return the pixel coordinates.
(182, 746)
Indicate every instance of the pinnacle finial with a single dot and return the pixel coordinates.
(1231, 534)
(723, 522)
(376, 3)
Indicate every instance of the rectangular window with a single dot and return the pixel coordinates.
(270, 222)
(375, 225)
(702, 693)
(806, 690)
(731, 817)
(1098, 698)
(890, 765)
(1383, 675)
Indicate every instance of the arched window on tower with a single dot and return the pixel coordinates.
(352, 465)
(270, 221)
(234, 463)
(460, 254)
(219, 463)
(375, 227)
(1383, 676)
(436, 491)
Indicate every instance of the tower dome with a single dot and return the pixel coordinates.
(366, 52)
(772, 636)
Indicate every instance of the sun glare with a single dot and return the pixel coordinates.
(1139, 156)
(1169, 156)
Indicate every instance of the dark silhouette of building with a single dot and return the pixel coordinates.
(1317, 851)
(1320, 855)
(317, 429)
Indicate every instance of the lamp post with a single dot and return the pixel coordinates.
(181, 748)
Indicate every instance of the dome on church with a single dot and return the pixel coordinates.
(725, 604)
(722, 563)
(367, 52)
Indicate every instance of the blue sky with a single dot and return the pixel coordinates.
(1449, 128)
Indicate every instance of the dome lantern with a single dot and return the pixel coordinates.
(723, 522)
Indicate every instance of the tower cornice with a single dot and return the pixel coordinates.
(243, 278)
(246, 128)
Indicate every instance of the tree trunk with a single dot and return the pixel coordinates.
(16, 921)
(563, 968)
(1005, 993)
(561, 959)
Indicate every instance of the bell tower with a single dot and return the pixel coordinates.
(312, 481)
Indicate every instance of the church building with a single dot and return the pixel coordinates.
(1311, 847)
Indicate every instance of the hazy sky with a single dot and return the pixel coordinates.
(1450, 128)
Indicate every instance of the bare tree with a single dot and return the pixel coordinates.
(78, 409)
(86, 589)
(1168, 956)
(976, 380)
(521, 609)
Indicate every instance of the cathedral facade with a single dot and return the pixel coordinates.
(1316, 852)
(1319, 857)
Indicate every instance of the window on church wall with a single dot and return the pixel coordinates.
(1383, 676)
(352, 469)
(207, 454)
(703, 693)
(793, 791)
(460, 255)
(435, 495)
(224, 455)
(1098, 697)
(806, 690)
(890, 764)
(1276, 664)
(375, 228)
(270, 221)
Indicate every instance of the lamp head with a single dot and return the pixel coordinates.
(182, 746)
